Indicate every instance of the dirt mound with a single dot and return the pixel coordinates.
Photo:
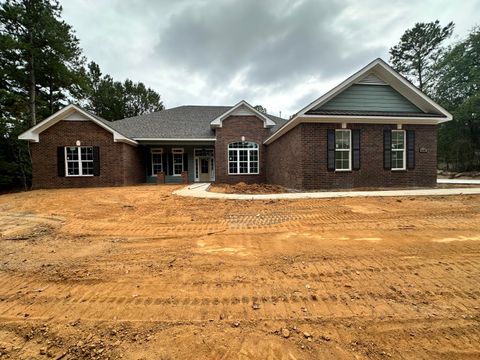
(243, 188)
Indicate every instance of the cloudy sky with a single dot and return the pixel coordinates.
(281, 54)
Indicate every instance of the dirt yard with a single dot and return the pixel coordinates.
(137, 273)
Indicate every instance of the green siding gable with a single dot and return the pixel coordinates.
(370, 98)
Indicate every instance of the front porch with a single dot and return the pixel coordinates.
(166, 162)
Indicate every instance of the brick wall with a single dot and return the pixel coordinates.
(232, 130)
(284, 160)
(120, 163)
(312, 167)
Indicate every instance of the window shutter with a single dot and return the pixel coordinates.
(148, 161)
(410, 149)
(387, 149)
(185, 162)
(356, 149)
(331, 149)
(61, 161)
(96, 161)
(170, 164)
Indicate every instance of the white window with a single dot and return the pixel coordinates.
(343, 148)
(157, 161)
(177, 161)
(243, 158)
(398, 150)
(79, 160)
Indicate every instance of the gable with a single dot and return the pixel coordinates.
(363, 97)
(72, 113)
(243, 109)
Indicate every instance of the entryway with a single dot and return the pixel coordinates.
(204, 160)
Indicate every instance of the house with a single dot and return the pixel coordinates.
(375, 129)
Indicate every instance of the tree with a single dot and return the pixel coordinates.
(114, 100)
(260, 108)
(419, 50)
(458, 89)
(458, 71)
(40, 54)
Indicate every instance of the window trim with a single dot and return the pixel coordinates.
(257, 148)
(397, 150)
(177, 151)
(156, 151)
(79, 161)
(344, 150)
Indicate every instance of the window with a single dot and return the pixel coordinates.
(343, 146)
(79, 160)
(398, 149)
(243, 158)
(177, 161)
(157, 161)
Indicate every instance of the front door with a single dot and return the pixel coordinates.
(205, 168)
(204, 165)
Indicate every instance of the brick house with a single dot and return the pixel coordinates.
(375, 129)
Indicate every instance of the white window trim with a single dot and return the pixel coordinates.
(404, 150)
(156, 151)
(79, 161)
(177, 151)
(248, 159)
(345, 150)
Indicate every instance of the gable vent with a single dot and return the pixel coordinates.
(372, 79)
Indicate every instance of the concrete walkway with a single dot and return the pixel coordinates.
(459, 181)
(201, 191)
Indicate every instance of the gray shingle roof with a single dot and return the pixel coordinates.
(183, 122)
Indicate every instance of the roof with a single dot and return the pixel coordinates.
(32, 134)
(182, 122)
(381, 71)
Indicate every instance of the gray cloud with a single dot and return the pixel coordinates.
(272, 44)
(278, 53)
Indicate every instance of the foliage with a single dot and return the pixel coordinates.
(418, 51)
(260, 108)
(41, 70)
(114, 100)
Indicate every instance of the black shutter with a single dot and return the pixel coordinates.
(61, 161)
(356, 149)
(410, 149)
(170, 164)
(387, 149)
(185, 162)
(331, 149)
(96, 161)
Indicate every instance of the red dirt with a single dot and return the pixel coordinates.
(243, 188)
(138, 273)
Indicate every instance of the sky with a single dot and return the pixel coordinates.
(281, 54)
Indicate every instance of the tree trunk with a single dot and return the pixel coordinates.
(32, 84)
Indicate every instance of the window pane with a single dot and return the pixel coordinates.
(397, 159)
(232, 166)
(398, 140)
(87, 153)
(243, 154)
(253, 155)
(72, 168)
(243, 167)
(253, 167)
(342, 139)
(342, 160)
(177, 164)
(87, 167)
(72, 153)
